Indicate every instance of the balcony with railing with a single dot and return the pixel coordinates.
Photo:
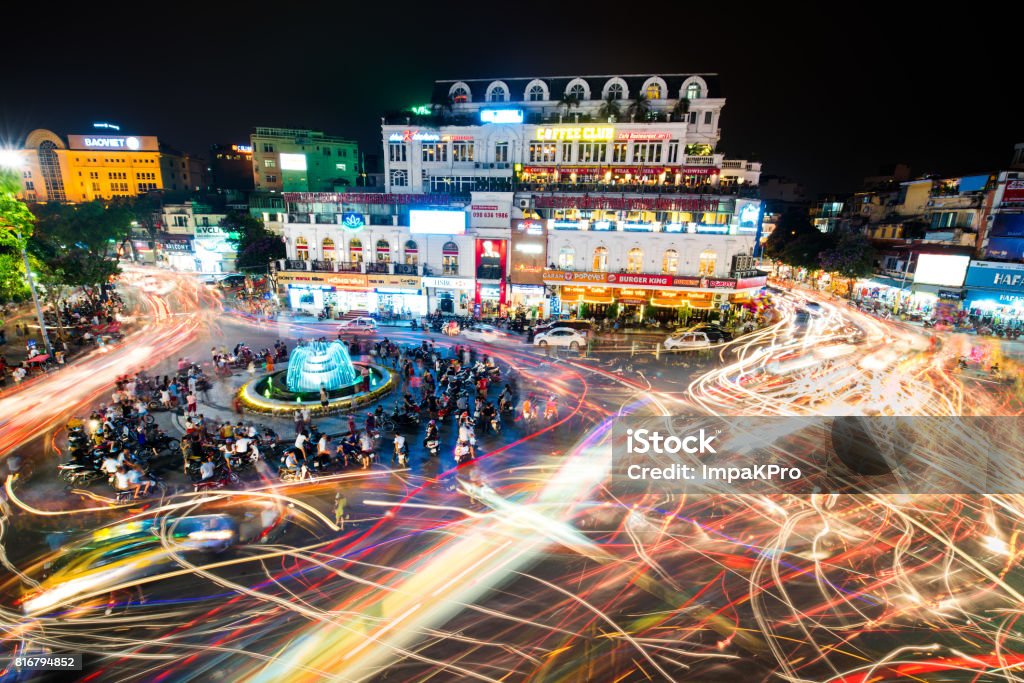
(298, 218)
(326, 218)
(381, 268)
(349, 266)
(405, 269)
(325, 266)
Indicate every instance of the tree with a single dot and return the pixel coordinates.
(16, 227)
(145, 211)
(639, 107)
(73, 243)
(796, 242)
(609, 109)
(568, 102)
(681, 109)
(852, 257)
(255, 245)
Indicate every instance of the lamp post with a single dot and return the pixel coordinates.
(10, 162)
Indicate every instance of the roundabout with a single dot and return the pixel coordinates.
(317, 371)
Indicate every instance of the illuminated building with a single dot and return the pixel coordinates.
(560, 132)
(297, 160)
(103, 164)
(231, 167)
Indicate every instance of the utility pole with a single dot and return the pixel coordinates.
(35, 300)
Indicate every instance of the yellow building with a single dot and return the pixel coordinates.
(101, 165)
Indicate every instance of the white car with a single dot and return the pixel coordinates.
(484, 333)
(362, 324)
(688, 340)
(560, 336)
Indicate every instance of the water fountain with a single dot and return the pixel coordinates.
(313, 365)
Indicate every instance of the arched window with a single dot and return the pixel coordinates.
(301, 248)
(601, 260)
(707, 262)
(383, 251)
(328, 249)
(498, 94)
(566, 258)
(450, 258)
(635, 260)
(670, 262)
(355, 251)
(412, 253)
(536, 93)
(693, 91)
(399, 178)
(460, 94)
(653, 91)
(577, 90)
(616, 92)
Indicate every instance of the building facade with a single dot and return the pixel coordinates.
(102, 165)
(590, 132)
(299, 160)
(599, 195)
(231, 167)
(193, 239)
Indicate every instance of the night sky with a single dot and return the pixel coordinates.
(822, 98)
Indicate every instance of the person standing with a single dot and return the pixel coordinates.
(339, 510)
(192, 402)
(324, 399)
(299, 427)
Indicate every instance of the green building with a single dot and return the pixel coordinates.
(298, 160)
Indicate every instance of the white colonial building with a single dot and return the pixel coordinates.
(538, 193)
(608, 132)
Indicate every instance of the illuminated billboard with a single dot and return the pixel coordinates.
(293, 162)
(575, 133)
(428, 222)
(501, 115)
(947, 270)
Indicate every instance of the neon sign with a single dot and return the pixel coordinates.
(421, 110)
(410, 135)
(576, 133)
(501, 115)
(113, 143)
(352, 221)
(109, 126)
(247, 149)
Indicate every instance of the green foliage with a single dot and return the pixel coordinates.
(13, 285)
(639, 107)
(73, 243)
(796, 242)
(15, 219)
(851, 257)
(256, 246)
(609, 108)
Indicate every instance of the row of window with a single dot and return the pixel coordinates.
(269, 148)
(117, 175)
(145, 176)
(116, 160)
(635, 261)
(438, 152)
(537, 91)
(382, 252)
(597, 152)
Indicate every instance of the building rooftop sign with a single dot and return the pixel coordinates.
(575, 133)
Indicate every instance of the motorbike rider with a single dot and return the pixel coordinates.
(431, 435)
(401, 455)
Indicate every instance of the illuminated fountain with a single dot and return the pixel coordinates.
(313, 365)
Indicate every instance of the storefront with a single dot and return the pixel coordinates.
(214, 251)
(311, 291)
(397, 295)
(449, 295)
(177, 252)
(994, 292)
(490, 299)
(649, 296)
(529, 253)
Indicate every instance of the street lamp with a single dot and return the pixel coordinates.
(10, 163)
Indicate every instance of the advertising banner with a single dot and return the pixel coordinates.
(619, 203)
(490, 259)
(639, 279)
(398, 281)
(1013, 193)
(529, 250)
(999, 276)
(353, 281)
(556, 276)
(1010, 248)
(490, 209)
(1008, 225)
